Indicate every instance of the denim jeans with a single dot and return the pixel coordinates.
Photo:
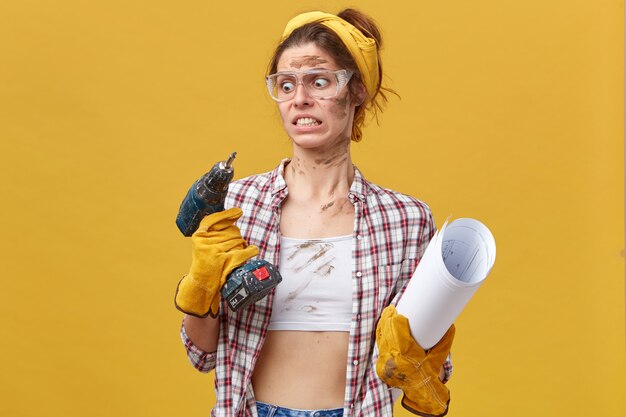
(268, 410)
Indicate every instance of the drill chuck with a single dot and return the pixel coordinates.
(206, 196)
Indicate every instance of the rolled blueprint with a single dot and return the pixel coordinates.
(455, 263)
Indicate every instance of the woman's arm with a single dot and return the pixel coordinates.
(202, 350)
(203, 332)
(217, 248)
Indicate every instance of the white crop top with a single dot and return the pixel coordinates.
(316, 291)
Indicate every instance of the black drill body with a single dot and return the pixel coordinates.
(253, 280)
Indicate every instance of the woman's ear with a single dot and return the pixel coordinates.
(358, 93)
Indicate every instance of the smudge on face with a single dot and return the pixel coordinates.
(308, 60)
(339, 106)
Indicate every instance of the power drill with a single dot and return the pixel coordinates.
(253, 280)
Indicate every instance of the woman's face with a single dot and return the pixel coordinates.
(315, 123)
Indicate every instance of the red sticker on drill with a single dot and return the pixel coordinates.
(261, 273)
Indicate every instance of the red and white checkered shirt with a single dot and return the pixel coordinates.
(391, 232)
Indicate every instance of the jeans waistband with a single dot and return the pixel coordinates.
(269, 410)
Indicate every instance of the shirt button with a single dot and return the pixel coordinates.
(358, 274)
(358, 237)
(358, 317)
(351, 405)
(355, 362)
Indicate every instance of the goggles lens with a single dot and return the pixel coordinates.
(320, 84)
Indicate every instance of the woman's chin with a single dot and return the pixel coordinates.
(309, 140)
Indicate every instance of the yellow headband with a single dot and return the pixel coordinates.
(362, 48)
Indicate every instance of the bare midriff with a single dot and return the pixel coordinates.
(302, 369)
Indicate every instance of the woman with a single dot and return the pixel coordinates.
(344, 246)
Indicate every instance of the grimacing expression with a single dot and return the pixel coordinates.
(314, 122)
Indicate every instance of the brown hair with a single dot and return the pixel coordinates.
(326, 39)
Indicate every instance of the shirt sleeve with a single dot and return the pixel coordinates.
(201, 360)
(447, 369)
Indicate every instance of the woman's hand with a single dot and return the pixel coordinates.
(403, 364)
(217, 249)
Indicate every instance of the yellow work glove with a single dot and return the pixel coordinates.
(217, 249)
(403, 364)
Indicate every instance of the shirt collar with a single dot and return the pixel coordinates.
(358, 189)
(278, 178)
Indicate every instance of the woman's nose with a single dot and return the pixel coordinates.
(301, 97)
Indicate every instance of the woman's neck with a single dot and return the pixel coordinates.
(319, 176)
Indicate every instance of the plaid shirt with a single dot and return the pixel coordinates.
(391, 233)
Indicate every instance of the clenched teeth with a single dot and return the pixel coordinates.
(307, 121)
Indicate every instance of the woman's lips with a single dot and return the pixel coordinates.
(307, 121)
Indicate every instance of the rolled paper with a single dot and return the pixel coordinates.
(455, 264)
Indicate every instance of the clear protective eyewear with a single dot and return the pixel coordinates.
(318, 83)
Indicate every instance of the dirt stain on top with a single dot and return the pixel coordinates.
(326, 269)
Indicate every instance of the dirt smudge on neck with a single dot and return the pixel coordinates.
(344, 208)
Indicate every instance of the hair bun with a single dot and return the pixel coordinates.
(362, 22)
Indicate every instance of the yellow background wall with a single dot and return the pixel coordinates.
(511, 112)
